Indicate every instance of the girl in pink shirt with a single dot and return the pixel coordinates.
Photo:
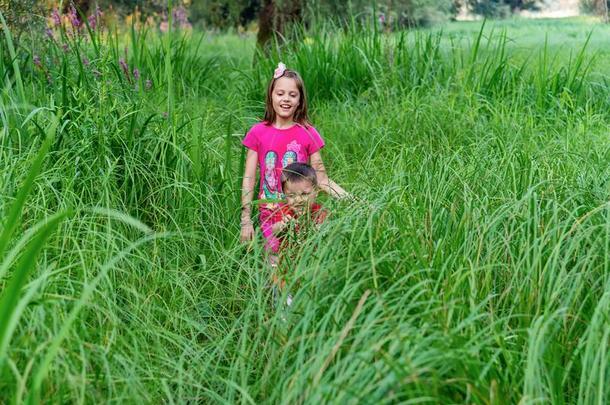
(284, 136)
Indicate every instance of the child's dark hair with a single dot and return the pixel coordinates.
(296, 172)
(300, 114)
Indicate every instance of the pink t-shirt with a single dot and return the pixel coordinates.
(277, 148)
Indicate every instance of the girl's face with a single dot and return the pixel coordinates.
(285, 97)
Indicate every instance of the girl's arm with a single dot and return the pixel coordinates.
(247, 193)
(278, 227)
(326, 184)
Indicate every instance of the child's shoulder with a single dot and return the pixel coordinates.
(307, 127)
(310, 133)
(259, 127)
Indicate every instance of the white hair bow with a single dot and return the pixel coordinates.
(281, 68)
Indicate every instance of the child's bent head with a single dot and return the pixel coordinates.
(300, 185)
(286, 98)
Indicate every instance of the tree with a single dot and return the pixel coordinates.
(522, 4)
(500, 8)
(82, 6)
(21, 16)
(224, 13)
(276, 18)
(602, 9)
(599, 7)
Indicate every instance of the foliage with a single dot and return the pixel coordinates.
(233, 13)
(225, 13)
(593, 6)
(473, 268)
(21, 16)
(500, 8)
(388, 13)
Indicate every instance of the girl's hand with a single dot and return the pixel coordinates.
(247, 231)
(280, 226)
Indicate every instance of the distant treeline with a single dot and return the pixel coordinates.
(399, 13)
(240, 14)
(235, 13)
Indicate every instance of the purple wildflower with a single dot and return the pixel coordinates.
(136, 73)
(49, 34)
(125, 68)
(148, 84)
(180, 18)
(65, 47)
(93, 18)
(73, 16)
(55, 17)
(36, 60)
(179, 14)
(86, 61)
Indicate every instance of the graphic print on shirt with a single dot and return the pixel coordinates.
(293, 152)
(270, 181)
(289, 158)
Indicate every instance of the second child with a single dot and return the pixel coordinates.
(300, 185)
(294, 217)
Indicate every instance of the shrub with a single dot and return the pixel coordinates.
(21, 16)
(593, 6)
(500, 8)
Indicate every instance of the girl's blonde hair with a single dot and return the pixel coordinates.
(300, 114)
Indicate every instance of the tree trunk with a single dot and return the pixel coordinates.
(275, 18)
(81, 6)
(602, 8)
(266, 24)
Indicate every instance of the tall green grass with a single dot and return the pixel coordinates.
(474, 271)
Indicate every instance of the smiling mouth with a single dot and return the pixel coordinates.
(285, 106)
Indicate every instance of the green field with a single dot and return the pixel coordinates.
(474, 268)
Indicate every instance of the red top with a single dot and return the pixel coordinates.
(317, 214)
(316, 211)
